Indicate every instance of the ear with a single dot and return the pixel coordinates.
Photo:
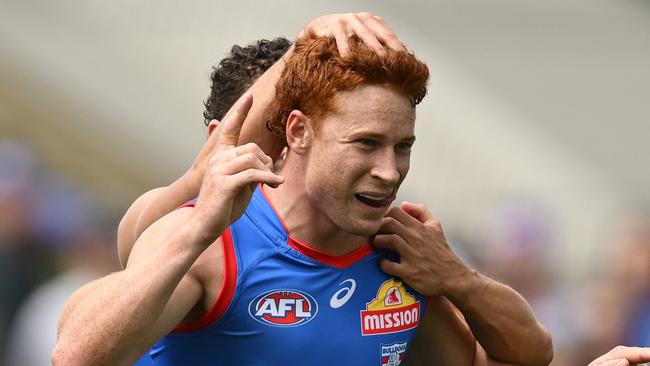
(212, 126)
(300, 132)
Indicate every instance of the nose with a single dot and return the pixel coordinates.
(385, 168)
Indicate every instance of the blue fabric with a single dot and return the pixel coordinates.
(291, 309)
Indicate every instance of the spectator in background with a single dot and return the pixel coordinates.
(46, 226)
(88, 255)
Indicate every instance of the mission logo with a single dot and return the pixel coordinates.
(393, 310)
(283, 308)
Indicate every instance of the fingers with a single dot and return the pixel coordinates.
(360, 28)
(391, 241)
(371, 30)
(252, 177)
(341, 38)
(617, 362)
(390, 225)
(385, 34)
(391, 268)
(233, 122)
(402, 216)
(249, 160)
(418, 211)
(255, 150)
(632, 354)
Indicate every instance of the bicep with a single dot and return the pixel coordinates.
(126, 231)
(189, 290)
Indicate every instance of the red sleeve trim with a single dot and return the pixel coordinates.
(190, 203)
(225, 294)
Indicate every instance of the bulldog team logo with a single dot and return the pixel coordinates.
(393, 354)
(393, 310)
(283, 308)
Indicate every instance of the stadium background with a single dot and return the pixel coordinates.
(532, 143)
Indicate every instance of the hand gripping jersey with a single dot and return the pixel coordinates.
(285, 303)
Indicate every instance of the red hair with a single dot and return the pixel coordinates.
(316, 72)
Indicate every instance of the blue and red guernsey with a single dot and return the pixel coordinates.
(285, 303)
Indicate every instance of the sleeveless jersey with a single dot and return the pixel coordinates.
(285, 303)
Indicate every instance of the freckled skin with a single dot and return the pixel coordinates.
(362, 148)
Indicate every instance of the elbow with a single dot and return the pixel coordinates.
(543, 352)
(546, 349)
(70, 355)
(61, 356)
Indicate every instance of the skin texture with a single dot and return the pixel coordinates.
(171, 277)
(623, 356)
(321, 209)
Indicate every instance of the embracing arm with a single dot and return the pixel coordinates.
(501, 320)
(490, 322)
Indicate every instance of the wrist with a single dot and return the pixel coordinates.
(463, 286)
(205, 230)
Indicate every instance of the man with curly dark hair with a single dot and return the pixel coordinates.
(230, 78)
(236, 73)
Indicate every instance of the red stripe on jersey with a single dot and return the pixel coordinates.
(227, 288)
(337, 261)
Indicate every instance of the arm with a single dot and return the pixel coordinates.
(501, 325)
(371, 29)
(114, 320)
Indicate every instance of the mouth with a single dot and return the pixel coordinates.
(375, 200)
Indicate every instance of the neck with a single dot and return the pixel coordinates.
(305, 222)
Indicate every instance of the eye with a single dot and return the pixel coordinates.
(404, 147)
(367, 142)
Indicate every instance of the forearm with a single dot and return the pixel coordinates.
(110, 322)
(254, 128)
(501, 321)
(170, 198)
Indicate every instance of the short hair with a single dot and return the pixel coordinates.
(316, 72)
(237, 72)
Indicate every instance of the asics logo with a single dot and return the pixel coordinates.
(342, 296)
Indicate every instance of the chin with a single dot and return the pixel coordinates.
(363, 228)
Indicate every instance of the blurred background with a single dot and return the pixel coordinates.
(532, 144)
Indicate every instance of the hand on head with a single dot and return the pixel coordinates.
(372, 30)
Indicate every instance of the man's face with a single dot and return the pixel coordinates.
(360, 156)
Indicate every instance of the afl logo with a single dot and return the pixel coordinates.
(283, 308)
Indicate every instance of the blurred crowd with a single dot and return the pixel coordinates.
(54, 238)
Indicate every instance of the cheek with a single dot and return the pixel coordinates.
(403, 166)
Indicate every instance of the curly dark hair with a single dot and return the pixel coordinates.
(237, 72)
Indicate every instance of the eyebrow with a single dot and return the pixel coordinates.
(409, 139)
